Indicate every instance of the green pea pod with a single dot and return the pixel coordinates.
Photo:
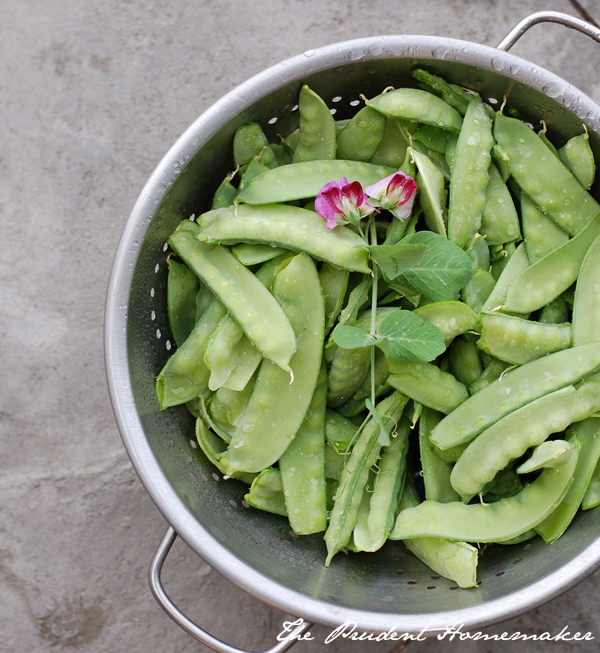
(519, 341)
(226, 406)
(451, 318)
(431, 137)
(501, 161)
(392, 148)
(541, 175)
(264, 434)
(316, 138)
(517, 263)
(551, 453)
(203, 299)
(514, 389)
(465, 364)
(248, 360)
(454, 560)
(432, 194)
(266, 492)
(289, 227)
(476, 293)
(528, 426)
(304, 180)
(505, 484)
(376, 520)
(556, 313)
(586, 307)
(252, 254)
(302, 467)
(494, 369)
(471, 175)
(185, 375)
(436, 472)
(496, 522)
(545, 280)
(214, 448)
(499, 220)
(451, 149)
(182, 288)
(242, 294)
(417, 105)
(425, 383)
(340, 432)
(248, 141)
(591, 498)
(355, 476)
(542, 235)
(222, 350)
(479, 253)
(578, 157)
(360, 138)
(225, 193)
(334, 282)
(334, 465)
(446, 91)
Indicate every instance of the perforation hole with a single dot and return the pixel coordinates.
(232, 503)
(354, 103)
(500, 573)
(337, 98)
(412, 582)
(517, 560)
(245, 503)
(158, 334)
(194, 445)
(272, 121)
(216, 476)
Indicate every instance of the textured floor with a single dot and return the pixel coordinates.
(92, 94)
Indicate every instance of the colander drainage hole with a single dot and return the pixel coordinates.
(192, 475)
(333, 111)
(157, 268)
(400, 572)
(194, 445)
(272, 121)
(245, 503)
(287, 542)
(454, 587)
(430, 587)
(255, 540)
(189, 458)
(292, 534)
(216, 476)
(272, 545)
(204, 476)
(354, 103)
(165, 247)
(168, 345)
(337, 98)
(500, 573)
(517, 560)
(158, 334)
(153, 316)
(412, 582)
(232, 503)
(219, 500)
(435, 577)
(152, 292)
(479, 582)
(527, 547)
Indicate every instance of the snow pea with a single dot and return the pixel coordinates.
(514, 389)
(528, 426)
(355, 475)
(289, 227)
(334, 282)
(316, 136)
(420, 106)
(499, 220)
(479, 253)
(451, 149)
(591, 498)
(506, 484)
(471, 175)
(266, 492)
(550, 276)
(520, 341)
(248, 360)
(226, 406)
(377, 511)
(243, 295)
(586, 307)
(302, 467)
(492, 372)
(433, 138)
(203, 299)
(588, 434)
(225, 193)
(476, 293)
(304, 180)
(501, 161)
(465, 364)
(248, 141)
(277, 407)
(392, 148)
(221, 353)
(556, 313)
(340, 432)
(360, 138)
(451, 318)
(577, 155)
(185, 375)
(182, 288)
(450, 94)
(551, 453)
(252, 253)
(517, 263)
(427, 384)
(496, 522)
(454, 560)
(506, 252)
(213, 448)
(549, 183)
(432, 196)
(542, 234)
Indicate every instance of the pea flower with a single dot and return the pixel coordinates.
(395, 194)
(340, 202)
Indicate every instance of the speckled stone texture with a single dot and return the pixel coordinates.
(92, 95)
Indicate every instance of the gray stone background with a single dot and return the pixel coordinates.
(92, 94)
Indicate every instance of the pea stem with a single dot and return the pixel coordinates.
(373, 231)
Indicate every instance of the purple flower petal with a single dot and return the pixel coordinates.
(395, 193)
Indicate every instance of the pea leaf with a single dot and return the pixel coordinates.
(350, 337)
(444, 269)
(405, 336)
(395, 259)
(384, 435)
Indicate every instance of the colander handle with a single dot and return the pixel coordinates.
(547, 17)
(189, 626)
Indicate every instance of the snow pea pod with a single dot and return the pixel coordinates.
(378, 509)
(431, 137)
(266, 492)
(225, 193)
(586, 307)
(496, 522)
(355, 476)
(465, 364)
(226, 406)
(556, 313)
(447, 92)
(277, 407)
(544, 177)
(499, 220)
(546, 279)
(432, 196)
(454, 560)
(551, 453)
(248, 360)
(520, 341)
(591, 498)
(359, 139)
(542, 234)
(289, 227)
(334, 282)
(420, 106)
(578, 157)
(316, 136)
(221, 352)
(479, 253)
(182, 288)
(451, 318)
(476, 293)
(587, 433)
(392, 149)
(471, 175)
(302, 467)
(528, 426)
(304, 180)
(428, 385)
(242, 294)
(248, 141)
(513, 390)
(340, 432)
(252, 253)
(517, 263)
(213, 448)
(492, 372)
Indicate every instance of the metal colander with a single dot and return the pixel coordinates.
(257, 550)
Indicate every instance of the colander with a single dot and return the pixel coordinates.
(389, 589)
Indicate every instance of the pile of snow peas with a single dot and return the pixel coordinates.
(464, 406)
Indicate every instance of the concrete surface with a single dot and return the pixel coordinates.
(92, 95)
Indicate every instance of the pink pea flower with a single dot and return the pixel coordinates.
(395, 193)
(340, 202)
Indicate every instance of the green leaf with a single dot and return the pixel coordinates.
(444, 269)
(395, 259)
(405, 336)
(384, 435)
(349, 337)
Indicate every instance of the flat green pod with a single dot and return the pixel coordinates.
(266, 492)
(392, 148)
(578, 157)
(360, 138)
(432, 195)
(451, 318)
(541, 234)
(499, 220)
(248, 141)
(182, 288)
(586, 307)
(316, 135)
(551, 453)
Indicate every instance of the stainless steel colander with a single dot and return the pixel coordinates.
(257, 551)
